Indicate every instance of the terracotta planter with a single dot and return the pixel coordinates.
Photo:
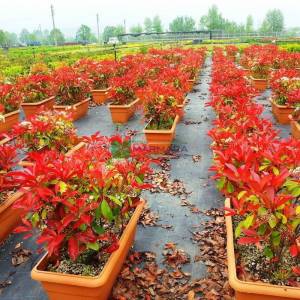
(246, 71)
(122, 113)
(191, 84)
(9, 121)
(100, 96)
(74, 287)
(78, 110)
(260, 84)
(295, 129)
(161, 140)
(246, 290)
(32, 108)
(181, 110)
(27, 163)
(9, 217)
(281, 112)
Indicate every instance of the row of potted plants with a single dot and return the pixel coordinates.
(259, 175)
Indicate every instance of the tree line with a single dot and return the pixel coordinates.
(213, 20)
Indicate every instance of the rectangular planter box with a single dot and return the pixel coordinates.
(260, 84)
(100, 96)
(122, 113)
(9, 217)
(74, 287)
(77, 110)
(32, 108)
(246, 290)
(281, 112)
(9, 121)
(295, 129)
(161, 140)
(181, 110)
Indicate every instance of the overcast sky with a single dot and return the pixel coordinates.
(70, 14)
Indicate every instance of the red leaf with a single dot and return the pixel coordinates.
(294, 250)
(73, 248)
(248, 240)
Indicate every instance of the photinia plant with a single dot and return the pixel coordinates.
(80, 204)
(47, 130)
(70, 86)
(10, 98)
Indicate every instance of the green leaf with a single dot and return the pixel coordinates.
(295, 223)
(44, 214)
(268, 252)
(98, 212)
(62, 186)
(275, 171)
(275, 237)
(83, 227)
(220, 183)
(230, 187)
(262, 211)
(238, 230)
(97, 228)
(298, 210)
(261, 168)
(94, 246)
(262, 229)
(35, 219)
(241, 194)
(115, 200)
(106, 211)
(248, 221)
(272, 221)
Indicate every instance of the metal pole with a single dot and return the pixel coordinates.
(115, 52)
(98, 30)
(53, 23)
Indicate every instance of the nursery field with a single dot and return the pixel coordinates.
(170, 173)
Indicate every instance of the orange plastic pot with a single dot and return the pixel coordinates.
(77, 110)
(60, 286)
(9, 121)
(295, 129)
(26, 163)
(281, 112)
(122, 113)
(246, 290)
(191, 83)
(100, 96)
(9, 217)
(161, 140)
(32, 108)
(260, 84)
(181, 110)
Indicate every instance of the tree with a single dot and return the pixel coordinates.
(24, 36)
(112, 31)
(273, 22)
(214, 19)
(56, 36)
(156, 24)
(11, 39)
(136, 29)
(148, 25)
(2, 38)
(84, 34)
(249, 24)
(181, 24)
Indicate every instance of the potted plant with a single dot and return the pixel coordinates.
(86, 209)
(123, 97)
(161, 113)
(285, 94)
(260, 69)
(295, 123)
(9, 217)
(99, 73)
(72, 91)
(10, 101)
(231, 51)
(37, 92)
(48, 130)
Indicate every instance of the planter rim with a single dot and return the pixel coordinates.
(37, 103)
(248, 286)
(124, 106)
(86, 281)
(295, 122)
(163, 131)
(11, 113)
(26, 163)
(11, 199)
(5, 140)
(72, 105)
(101, 90)
(258, 79)
(280, 106)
